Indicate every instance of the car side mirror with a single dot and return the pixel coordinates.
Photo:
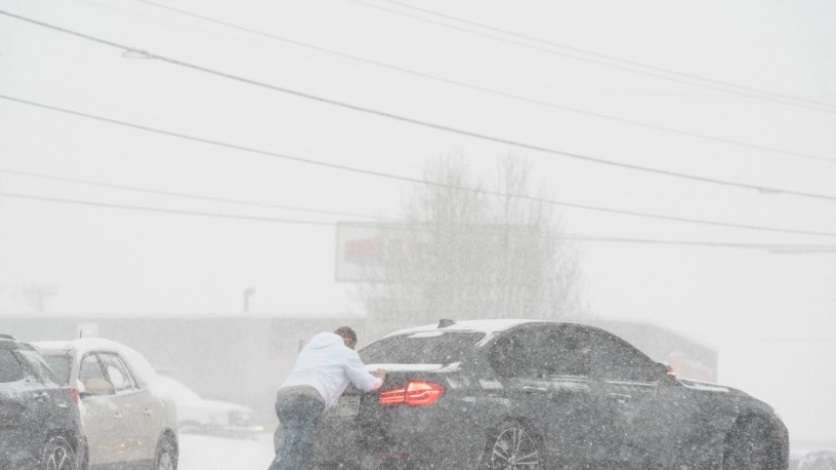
(97, 387)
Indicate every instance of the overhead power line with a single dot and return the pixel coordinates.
(432, 125)
(184, 195)
(585, 55)
(779, 248)
(488, 90)
(161, 210)
(409, 179)
(772, 247)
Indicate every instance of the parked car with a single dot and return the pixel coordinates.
(500, 394)
(126, 424)
(40, 425)
(199, 415)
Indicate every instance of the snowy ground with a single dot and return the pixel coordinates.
(218, 453)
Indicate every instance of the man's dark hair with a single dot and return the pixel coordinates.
(348, 333)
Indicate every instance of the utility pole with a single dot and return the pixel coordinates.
(246, 297)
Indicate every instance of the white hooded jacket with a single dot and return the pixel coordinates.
(328, 365)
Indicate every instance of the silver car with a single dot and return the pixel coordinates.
(199, 415)
(124, 422)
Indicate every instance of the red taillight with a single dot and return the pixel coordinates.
(415, 393)
(392, 397)
(75, 396)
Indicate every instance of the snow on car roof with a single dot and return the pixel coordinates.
(480, 326)
(138, 364)
(81, 345)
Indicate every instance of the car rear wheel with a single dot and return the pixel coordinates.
(166, 458)
(748, 447)
(58, 454)
(513, 447)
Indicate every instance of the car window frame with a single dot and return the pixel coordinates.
(530, 330)
(648, 364)
(95, 356)
(133, 385)
(585, 343)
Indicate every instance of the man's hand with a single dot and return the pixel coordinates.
(379, 373)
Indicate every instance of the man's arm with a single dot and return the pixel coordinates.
(359, 375)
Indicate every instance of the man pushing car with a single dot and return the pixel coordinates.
(323, 370)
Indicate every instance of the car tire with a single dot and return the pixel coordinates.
(58, 454)
(166, 457)
(84, 458)
(747, 446)
(513, 445)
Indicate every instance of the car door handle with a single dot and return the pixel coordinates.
(117, 415)
(532, 389)
(620, 397)
(148, 412)
(42, 396)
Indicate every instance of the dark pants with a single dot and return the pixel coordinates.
(299, 418)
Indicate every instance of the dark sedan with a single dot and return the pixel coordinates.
(39, 419)
(501, 394)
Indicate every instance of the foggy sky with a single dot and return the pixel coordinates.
(770, 316)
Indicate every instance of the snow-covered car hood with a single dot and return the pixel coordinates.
(184, 397)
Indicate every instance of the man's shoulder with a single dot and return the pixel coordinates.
(349, 355)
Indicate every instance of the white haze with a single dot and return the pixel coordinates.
(770, 316)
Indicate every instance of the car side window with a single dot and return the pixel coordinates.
(566, 351)
(10, 368)
(91, 370)
(515, 355)
(521, 354)
(117, 372)
(614, 359)
(128, 373)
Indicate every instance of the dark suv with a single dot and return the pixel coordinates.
(502, 394)
(39, 419)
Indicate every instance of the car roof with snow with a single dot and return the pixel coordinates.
(489, 327)
(80, 346)
(9, 342)
(478, 326)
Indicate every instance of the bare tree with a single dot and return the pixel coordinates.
(469, 254)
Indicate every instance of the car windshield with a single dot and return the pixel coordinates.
(60, 365)
(421, 348)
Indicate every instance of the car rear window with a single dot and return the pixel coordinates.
(10, 368)
(421, 348)
(38, 366)
(60, 365)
